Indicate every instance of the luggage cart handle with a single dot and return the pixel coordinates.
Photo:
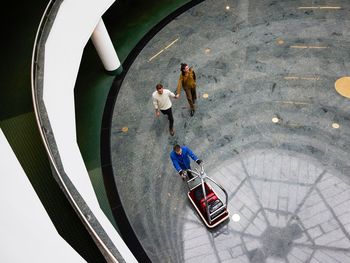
(218, 210)
(200, 173)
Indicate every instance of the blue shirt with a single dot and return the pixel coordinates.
(182, 162)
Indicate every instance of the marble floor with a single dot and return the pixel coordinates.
(269, 125)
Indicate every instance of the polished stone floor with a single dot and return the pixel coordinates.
(288, 180)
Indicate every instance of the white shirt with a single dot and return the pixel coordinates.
(162, 101)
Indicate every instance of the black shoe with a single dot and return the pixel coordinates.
(192, 113)
(172, 132)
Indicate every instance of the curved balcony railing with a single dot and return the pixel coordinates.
(97, 232)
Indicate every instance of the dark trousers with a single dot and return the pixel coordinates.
(189, 174)
(170, 117)
(191, 96)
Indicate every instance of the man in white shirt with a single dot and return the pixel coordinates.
(162, 103)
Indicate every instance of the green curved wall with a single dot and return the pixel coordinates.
(17, 118)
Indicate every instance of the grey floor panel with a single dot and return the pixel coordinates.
(288, 181)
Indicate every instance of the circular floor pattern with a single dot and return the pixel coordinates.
(288, 182)
(291, 208)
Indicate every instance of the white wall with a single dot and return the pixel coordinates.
(27, 233)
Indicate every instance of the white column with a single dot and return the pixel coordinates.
(104, 46)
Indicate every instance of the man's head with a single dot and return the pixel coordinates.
(159, 88)
(177, 149)
(184, 68)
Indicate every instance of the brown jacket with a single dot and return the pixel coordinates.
(187, 81)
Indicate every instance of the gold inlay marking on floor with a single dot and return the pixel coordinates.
(305, 46)
(161, 51)
(330, 7)
(294, 102)
(301, 78)
(125, 129)
(342, 86)
(335, 125)
(310, 78)
(291, 78)
(320, 7)
(293, 125)
(172, 43)
(317, 47)
(298, 46)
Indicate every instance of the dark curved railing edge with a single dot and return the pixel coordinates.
(118, 211)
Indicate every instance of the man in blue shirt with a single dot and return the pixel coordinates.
(181, 161)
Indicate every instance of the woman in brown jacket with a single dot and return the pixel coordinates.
(187, 81)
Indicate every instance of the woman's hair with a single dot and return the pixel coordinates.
(182, 68)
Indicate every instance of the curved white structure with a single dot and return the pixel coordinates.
(63, 52)
(26, 224)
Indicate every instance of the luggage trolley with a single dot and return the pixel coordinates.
(209, 206)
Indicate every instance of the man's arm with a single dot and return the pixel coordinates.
(172, 95)
(194, 75)
(179, 84)
(191, 154)
(155, 104)
(176, 164)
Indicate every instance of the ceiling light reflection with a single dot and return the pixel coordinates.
(275, 120)
(335, 125)
(236, 217)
